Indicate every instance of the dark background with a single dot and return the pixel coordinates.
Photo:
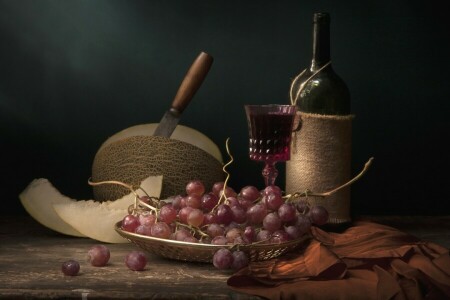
(72, 73)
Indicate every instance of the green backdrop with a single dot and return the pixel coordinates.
(73, 73)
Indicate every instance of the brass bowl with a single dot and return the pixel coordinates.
(198, 252)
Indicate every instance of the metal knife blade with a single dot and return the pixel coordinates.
(189, 86)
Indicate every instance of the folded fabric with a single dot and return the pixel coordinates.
(366, 261)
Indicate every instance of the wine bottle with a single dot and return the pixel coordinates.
(321, 149)
(325, 93)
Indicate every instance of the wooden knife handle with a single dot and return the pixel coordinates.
(192, 81)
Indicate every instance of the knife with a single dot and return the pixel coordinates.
(189, 86)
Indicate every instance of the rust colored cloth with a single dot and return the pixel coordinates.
(366, 261)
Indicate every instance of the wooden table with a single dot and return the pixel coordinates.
(31, 257)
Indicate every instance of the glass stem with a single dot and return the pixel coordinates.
(270, 173)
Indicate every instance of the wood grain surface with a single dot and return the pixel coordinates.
(31, 257)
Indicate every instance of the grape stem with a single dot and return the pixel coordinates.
(113, 182)
(193, 229)
(147, 205)
(329, 193)
(136, 196)
(223, 198)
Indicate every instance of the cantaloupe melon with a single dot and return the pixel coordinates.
(181, 133)
(133, 154)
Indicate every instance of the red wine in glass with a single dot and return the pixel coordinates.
(270, 131)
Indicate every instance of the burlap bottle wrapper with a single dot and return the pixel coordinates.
(321, 161)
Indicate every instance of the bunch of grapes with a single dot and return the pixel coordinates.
(223, 217)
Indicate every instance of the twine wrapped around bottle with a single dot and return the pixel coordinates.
(321, 161)
(321, 158)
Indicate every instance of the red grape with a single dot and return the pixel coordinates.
(272, 189)
(136, 260)
(144, 230)
(183, 201)
(318, 215)
(181, 234)
(214, 230)
(98, 255)
(239, 214)
(195, 187)
(183, 214)
(245, 203)
(195, 217)
(209, 201)
(224, 214)
(229, 192)
(161, 230)
(147, 218)
(279, 236)
(190, 239)
(263, 235)
(233, 201)
(239, 240)
(167, 214)
(222, 259)
(250, 193)
(209, 218)
(249, 234)
(219, 240)
(130, 223)
(194, 201)
(240, 260)
(272, 222)
(272, 200)
(303, 223)
(232, 234)
(176, 201)
(287, 212)
(303, 206)
(293, 231)
(256, 214)
(70, 267)
(217, 188)
(231, 226)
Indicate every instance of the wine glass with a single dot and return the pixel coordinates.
(270, 131)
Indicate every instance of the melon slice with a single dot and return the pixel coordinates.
(37, 199)
(93, 219)
(40, 195)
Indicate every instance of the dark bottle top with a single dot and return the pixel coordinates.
(322, 91)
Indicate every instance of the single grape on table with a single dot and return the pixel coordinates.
(98, 255)
(70, 267)
(136, 260)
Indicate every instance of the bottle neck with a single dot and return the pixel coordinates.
(321, 40)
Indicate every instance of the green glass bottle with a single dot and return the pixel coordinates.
(321, 149)
(325, 92)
